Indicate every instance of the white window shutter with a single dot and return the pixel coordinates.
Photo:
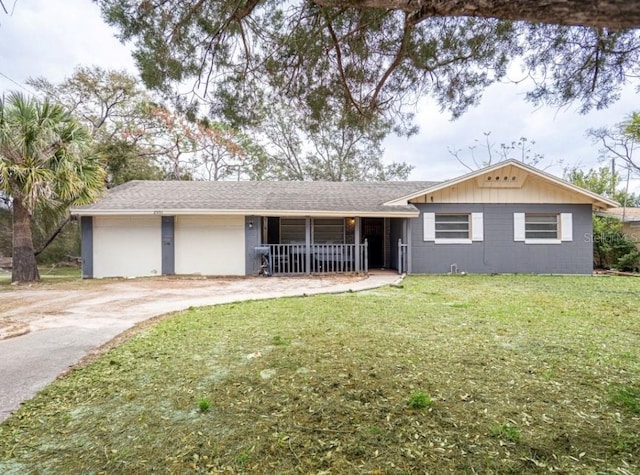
(477, 227)
(429, 226)
(566, 227)
(518, 227)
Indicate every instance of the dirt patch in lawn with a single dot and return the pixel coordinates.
(31, 306)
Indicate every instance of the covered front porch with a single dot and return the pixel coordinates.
(290, 245)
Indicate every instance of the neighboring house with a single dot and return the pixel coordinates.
(630, 218)
(507, 218)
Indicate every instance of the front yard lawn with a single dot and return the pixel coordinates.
(48, 275)
(446, 374)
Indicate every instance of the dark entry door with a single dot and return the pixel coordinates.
(373, 232)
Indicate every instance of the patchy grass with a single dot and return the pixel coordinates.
(525, 374)
(420, 400)
(506, 431)
(48, 275)
(627, 397)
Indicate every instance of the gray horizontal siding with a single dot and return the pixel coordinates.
(498, 252)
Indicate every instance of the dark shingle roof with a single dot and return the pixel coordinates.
(263, 196)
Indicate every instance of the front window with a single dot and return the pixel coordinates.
(452, 226)
(292, 230)
(541, 226)
(328, 231)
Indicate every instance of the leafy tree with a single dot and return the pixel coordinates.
(603, 181)
(5, 231)
(108, 103)
(45, 167)
(189, 148)
(370, 59)
(303, 148)
(611, 248)
(223, 152)
(619, 142)
(137, 137)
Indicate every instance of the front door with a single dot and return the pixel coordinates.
(373, 232)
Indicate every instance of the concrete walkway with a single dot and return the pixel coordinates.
(53, 328)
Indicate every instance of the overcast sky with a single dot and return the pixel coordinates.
(50, 38)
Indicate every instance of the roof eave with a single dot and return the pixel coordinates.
(245, 212)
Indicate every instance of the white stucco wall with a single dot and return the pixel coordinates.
(209, 245)
(126, 246)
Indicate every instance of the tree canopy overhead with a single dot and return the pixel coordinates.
(359, 60)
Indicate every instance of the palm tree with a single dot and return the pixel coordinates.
(45, 165)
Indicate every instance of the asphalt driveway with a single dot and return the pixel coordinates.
(45, 330)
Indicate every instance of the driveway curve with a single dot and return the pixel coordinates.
(45, 330)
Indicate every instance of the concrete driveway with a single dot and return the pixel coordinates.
(45, 330)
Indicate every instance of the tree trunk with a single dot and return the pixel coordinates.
(24, 260)
(612, 14)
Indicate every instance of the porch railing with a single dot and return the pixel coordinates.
(317, 258)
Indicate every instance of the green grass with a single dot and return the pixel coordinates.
(627, 397)
(48, 274)
(527, 374)
(420, 400)
(506, 431)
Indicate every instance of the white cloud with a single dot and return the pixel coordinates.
(559, 134)
(47, 38)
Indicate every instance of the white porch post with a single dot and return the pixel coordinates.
(307, 239)
(357, 238)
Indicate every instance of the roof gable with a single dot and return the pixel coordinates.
(509, 181)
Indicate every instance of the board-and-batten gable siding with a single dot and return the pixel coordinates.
(526, 188)
(210, 245)
(126, 246)
(499, 252)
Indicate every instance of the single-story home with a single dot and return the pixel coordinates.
(630, 218)
(506, 218)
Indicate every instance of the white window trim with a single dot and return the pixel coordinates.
(453, 241)
(565, 229)
(475, 222)
(542, 241)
